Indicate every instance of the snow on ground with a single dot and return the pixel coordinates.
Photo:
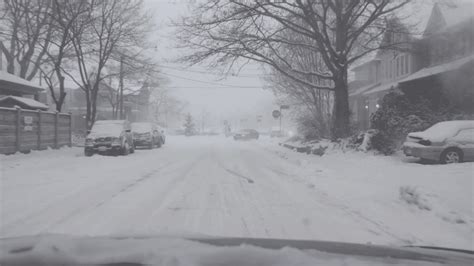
(216, 186)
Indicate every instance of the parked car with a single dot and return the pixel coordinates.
(146, 134)
(109, 136)
(446, 142)
(246, 134)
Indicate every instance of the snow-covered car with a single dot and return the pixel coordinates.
(446, 142)
(246, 134)
(180, 251)
(146, 134)
(109, 136)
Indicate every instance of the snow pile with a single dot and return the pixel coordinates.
(412, 196)
(440, 131)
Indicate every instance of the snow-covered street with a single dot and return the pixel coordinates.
(216, 186)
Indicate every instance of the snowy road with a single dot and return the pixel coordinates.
(202, 185)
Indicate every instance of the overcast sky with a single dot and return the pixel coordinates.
(217, 95)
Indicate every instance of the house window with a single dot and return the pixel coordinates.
(407, 64)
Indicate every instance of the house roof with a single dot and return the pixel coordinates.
(12, 83)
(363, 89)
(382, 87)
(448, 13)
(430, 71)
(33, 104)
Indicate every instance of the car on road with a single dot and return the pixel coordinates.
(246, 134)
(445, 142)
(147, 134)
(109, 137)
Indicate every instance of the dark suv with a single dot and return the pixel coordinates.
(109, 137)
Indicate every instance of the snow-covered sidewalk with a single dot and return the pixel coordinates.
(216, 186)
(395, 193)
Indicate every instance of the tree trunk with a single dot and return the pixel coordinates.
(62, 93)
(341, 112)
(88, 109)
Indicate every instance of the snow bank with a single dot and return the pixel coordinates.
(419, 204)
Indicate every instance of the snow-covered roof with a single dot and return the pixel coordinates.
(26, 101)
(382, 87)
(7, 77)
(363, 89)
(429, 71)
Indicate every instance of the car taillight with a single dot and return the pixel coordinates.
(425, 142)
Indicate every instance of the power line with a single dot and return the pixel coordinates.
(205, 82)
(209, 73)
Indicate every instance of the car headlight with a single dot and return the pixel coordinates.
(425, 142)
(89, 142)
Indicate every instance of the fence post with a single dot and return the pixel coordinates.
(18, 129)
(39, 129)
(70, 129)
(56, 119)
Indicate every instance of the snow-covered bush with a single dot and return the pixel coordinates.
(400, 114)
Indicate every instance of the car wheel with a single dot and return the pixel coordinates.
(158, 144)
(88, 153)
(451, 155)
(125, 149)
(132, 149)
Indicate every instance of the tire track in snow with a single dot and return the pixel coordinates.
(31, 218)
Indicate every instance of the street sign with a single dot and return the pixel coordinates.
(28, 128)
(276, 114)
(284, 107)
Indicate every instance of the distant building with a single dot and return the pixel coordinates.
(439, 63)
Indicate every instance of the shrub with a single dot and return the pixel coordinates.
(399, 115)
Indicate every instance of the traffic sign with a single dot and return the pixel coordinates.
(276, 114)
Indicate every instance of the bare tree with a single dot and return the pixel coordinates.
(115, 26)
(223, 32)
(64, 15)
(25, 31)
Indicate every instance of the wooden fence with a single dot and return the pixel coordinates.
(25, 130)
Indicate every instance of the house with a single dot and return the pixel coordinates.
(437, 66)
(16, 86)
(382, 72)
(446, 57)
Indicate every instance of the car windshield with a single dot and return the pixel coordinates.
(317, 120)
(141, 127)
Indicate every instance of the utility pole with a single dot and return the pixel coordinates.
(121, 87)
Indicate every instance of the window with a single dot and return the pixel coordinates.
(407, 64)
(465, 135)
(402, 63)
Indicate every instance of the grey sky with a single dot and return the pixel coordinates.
(217, 95)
